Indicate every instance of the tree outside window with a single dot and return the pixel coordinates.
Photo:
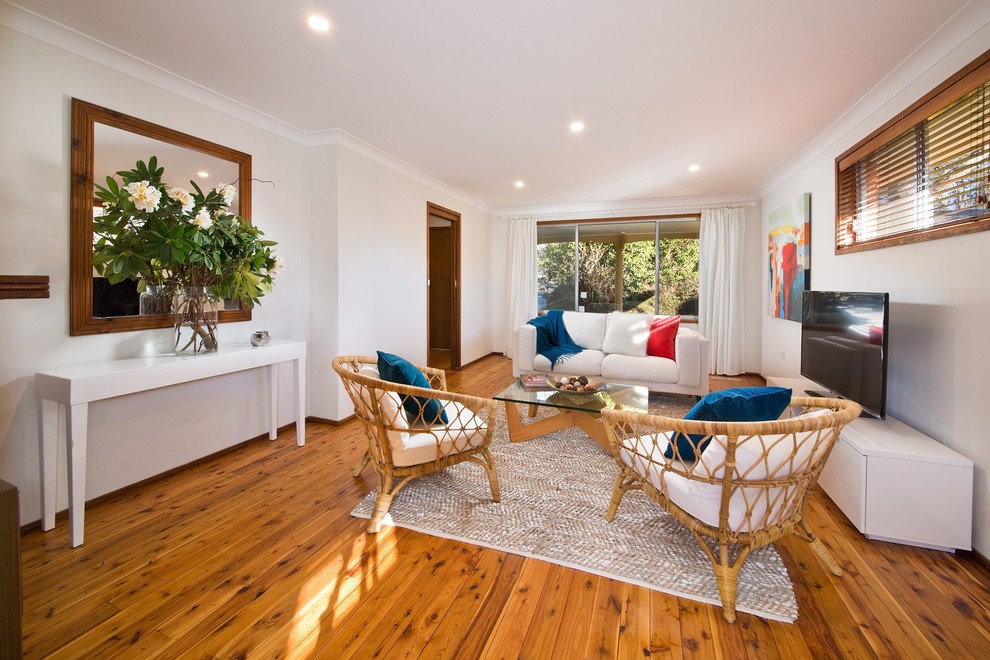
(644, 266)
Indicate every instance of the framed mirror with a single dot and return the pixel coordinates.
(104, 142)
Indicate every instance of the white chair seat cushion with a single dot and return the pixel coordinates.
(787, 454)
(627, 334)
(587, 330)
(465, 431)
(586, 363)
(648, 368)
(699, 499)
(644, 456)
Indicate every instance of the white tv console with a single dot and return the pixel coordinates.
(895, 483)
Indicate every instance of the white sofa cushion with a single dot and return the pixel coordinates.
(626, 334)
(648, 369)
(688, 351)
(586, 363)
(587, 330)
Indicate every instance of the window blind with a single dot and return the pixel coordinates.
(932, 179)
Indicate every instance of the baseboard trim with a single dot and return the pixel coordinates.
(483, 357)
(331, 422)
(978, 557)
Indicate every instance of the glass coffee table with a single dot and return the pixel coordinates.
(580, 410)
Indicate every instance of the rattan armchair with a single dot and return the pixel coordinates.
(749, 487)
(403, 445)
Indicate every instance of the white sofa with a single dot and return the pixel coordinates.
(615, 348)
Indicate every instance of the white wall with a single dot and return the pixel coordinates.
(754, 245)
(132, 437)
(323, 299)
(381, 233)
(939, 291)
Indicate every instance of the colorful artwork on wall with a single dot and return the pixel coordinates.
(790, 258)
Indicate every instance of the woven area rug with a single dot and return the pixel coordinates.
(555, 490)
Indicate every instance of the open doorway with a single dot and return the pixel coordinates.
(443, 306)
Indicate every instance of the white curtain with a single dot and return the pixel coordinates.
(520, 278)
(720, 287)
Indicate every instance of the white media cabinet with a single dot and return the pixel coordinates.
(895, 483)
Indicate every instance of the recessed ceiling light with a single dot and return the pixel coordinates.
(577, 126)
(319, 23)
(694, 168)
(520, 183)
(202, 174)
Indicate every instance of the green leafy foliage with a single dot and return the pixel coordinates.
(596, 265)
(169, 236)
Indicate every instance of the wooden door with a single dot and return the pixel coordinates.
(443, 287)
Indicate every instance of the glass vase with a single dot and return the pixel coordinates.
(155, 299)
(195, 320)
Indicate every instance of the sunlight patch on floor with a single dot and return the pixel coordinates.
(355, 568)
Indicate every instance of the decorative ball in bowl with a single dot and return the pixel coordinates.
(576, 384)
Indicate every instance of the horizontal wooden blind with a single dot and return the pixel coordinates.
(930, 180)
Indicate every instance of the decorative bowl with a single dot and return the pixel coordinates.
(560, 383)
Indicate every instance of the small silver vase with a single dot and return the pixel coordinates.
(260, 337)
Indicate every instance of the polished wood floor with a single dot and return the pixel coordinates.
(252, 554)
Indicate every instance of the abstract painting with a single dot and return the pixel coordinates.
(790, 258)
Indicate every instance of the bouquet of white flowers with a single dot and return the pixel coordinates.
(178, 239)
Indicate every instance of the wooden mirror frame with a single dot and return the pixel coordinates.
(84, 117)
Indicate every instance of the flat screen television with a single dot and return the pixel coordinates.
(844, 346)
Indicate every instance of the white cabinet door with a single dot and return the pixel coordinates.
(844, 480)
(919, 503)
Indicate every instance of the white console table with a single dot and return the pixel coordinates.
(73, 388)
(895, 483)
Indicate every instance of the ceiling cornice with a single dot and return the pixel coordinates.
(929, 55)
(630, 208)
(57, 35)
(54, 34)
(342, 138)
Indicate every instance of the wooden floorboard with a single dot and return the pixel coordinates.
(253, 554)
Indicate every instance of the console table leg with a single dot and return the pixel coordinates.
(299, 367)
(75, 440)
(272, 401)
(48, 415)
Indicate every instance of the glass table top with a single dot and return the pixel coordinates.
(615, 395)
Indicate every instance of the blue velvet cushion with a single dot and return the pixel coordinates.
(738, 404)
(398, 370)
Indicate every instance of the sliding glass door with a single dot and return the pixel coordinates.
(647, 266)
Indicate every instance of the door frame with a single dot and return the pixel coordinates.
(455, 223)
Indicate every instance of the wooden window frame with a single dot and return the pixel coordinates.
(967, 79)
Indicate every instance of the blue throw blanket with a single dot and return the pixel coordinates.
(552, 340)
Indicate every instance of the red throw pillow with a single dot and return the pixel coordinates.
(663, 333)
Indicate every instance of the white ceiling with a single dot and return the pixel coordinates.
(480, 93)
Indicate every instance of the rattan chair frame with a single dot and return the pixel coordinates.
(727, 548)
(365, 393)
